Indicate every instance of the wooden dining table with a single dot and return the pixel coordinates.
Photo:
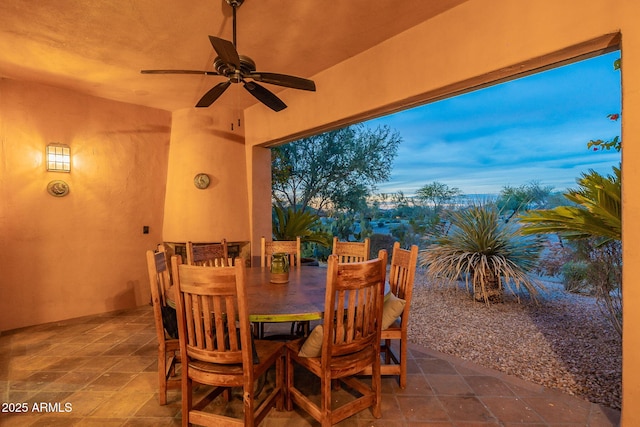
(300, 299)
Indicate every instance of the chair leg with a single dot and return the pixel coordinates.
(162, 379)
(387, 350)
(325, 404)
(249, 405)
(186, 399)
(403, 365)
(280, 380)
(172, 366)
(289, 383)
(376, 386)
(257, 330)
(300, 329)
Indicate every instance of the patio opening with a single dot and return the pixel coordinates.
(518, 145)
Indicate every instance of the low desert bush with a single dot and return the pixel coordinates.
(574, 277)
(554, 255)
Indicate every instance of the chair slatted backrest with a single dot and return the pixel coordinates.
(351, 251)
(353, 306)
(212, 313)
(394, 344)
(159, 281)
(402, 274)
(290, 247)
(165, 321)
(209, 255)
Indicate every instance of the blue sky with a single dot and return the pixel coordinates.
(532, 129)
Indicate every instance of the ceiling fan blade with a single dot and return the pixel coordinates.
(213, 94)
(225, 50)
(284, 80)
(265, 96)
(207, 73)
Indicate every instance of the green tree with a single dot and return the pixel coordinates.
(486, 252)
(339, 168)
(437, 195)
(522, 198)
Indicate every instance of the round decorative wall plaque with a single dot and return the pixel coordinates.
(58, 188)
(201, 181)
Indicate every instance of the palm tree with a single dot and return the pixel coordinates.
(596, 221)
(598, 212)
(486, 252)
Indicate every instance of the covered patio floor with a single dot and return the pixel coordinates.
(101, 370)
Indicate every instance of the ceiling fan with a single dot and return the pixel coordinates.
(241, 69)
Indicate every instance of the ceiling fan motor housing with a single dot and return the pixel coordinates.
(247, 65)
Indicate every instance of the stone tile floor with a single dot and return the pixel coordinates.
(101, 371)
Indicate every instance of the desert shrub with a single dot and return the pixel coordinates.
(605, 275)
(320, 253)
(553, 257)
(574, 276)
(343, 227)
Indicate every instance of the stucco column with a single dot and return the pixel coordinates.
(203, 141)
(630, 226)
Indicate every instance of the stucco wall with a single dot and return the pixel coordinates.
(478, 38)
(83, 253)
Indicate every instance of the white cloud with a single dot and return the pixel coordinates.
(532, 129)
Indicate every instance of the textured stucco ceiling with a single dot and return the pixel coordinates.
(98, 47)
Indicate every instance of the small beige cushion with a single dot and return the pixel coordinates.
(312, 346)
(392, 308)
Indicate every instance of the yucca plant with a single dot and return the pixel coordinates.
(289, 224)
(484, 251)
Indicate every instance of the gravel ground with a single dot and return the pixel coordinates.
(564, 342)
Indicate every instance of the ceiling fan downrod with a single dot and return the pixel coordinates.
(235, 4)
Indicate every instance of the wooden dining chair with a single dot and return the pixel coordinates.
(210, 255)
(290, 247)
(348, 342)
(216, 346)
(168, 345)
(396, 312)
(351, 251)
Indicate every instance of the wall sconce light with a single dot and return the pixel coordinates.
(58, 157)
